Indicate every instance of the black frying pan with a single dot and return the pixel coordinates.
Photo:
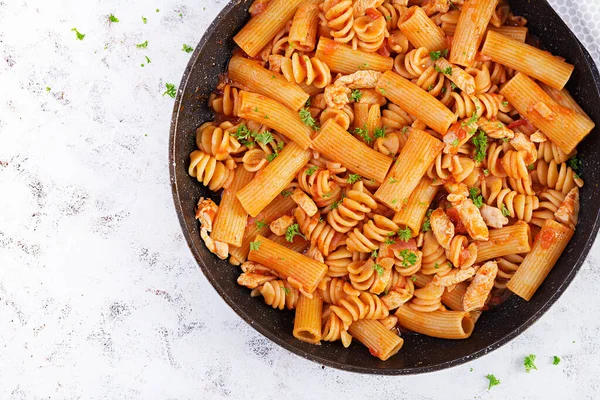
(419, 353)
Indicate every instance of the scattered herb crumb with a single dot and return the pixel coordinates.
(187, 49)
(48, 89)
(144, 20)
(556, 360)
(493, 381)
(529, 364)
(142, 45)
(171, 90)
(112, 18)
(80, 35)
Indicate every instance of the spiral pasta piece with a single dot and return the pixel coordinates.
(428, 298)
(278, 294)
(434, 257)
(333, 328)
(482, 104)
(340, 19)
(483, 80)
(319, 185)
(280, 44)
(368, 276)
(217, 140)
(343, 117)
(514, 164)
(404, 265)
(403, 287)
(519, 205)
(303, 69)
(431, 81)
(557, 176)
(549, 203)
(412, 64)
(549, 151)
(395, 118)
(373, 233)
(370, 31)
(391, 11)
(507, 266)
(494, 159)
(209, 171)
(365, 306)
(319, 233)
(353, 208)
(226, 103)
(461, 253)
(448, 22)
(333, 290)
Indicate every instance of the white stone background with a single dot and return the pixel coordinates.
(100, 297)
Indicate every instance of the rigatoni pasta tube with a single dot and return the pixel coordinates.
(472, 23)
(513, 239)
(335, 143)
(255, 78)
(413, 212)
(274, 115)
(307, 321)
(343, 59)
(563, 126)
(303, 32)
(440, 324)
(417, 154)
(416, 101)
(269, 182)
(381, 342)
(514, 32)
(260, 226)
(261, 29)
(297, 268)
(547, 248)
(530, 60)
(564, 98)
(231, 218)
(421, 31)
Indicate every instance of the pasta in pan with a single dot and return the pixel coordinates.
(386, 168)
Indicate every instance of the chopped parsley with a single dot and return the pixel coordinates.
(356, 95)
(382, 91)
(413, 278)
(80, 35)
(364, 133)
(292, 231)
(171, 90)
(505, 103)
(505, 211)
(48, 88)
(187, 49)
(445, 71)
(271, 157)
(476, 197)
(427, 223)
(148, 60)
(390, 239)
(555, 360)
(392, 180)
(453, 85)
(430, 88)
(264, 138)
(486, 172)
(335, 204)
(444, 90)
(286, 290)
(308, 119)
(531, 167)
(528, 362)
(481, 144)
(505, 140)
(404, 130)
(405, 234)
(286, 193)
(112, 18)
(455, 142)
(436, 55)
(254, 245)
(144, 19)
(379, 269)
(574, 163)
(142, 45)
(311, 170)
(261, 224)
(379, 132)
(388, 17)
(409, 258)
(353, 178)
(493, 381)
(375, 253)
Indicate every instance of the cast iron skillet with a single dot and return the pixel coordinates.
(420, 353)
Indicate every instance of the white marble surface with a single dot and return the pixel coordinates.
(100, 297)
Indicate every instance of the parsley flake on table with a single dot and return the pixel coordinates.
(142, 45)
(80, 35)
(493, 381)
(292, 232)
(353, 178)
(144, 20)
(171, 90)
(528, 362)
(187, 49)
(254, 245)
(112, 18)
(48, 89)
(555, 360)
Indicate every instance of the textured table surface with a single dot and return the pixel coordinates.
(100, 297)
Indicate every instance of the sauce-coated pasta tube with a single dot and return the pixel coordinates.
(532, 61)
(301, 271)
(269, 182)
(338, 145)
(547, 248)
(472, 23)
(303, 32)
(413, 212)
(416, 101)
(261, 29)
(255, 78)
(274, 115)
(514, 32)
(440, 324)
(231, 218)
(562, 125)
(307, 321)
(381, 342)
(420, 30)
(513, 239)
(417, 154)
(343, 59)
(260, 226)
(564, 98)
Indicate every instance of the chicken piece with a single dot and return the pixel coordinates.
(470, 216)
(435, 6)
(314, 253)
(442, 227)
(480, 287)
(492, 216)
(389, 322)
(523, 144)
(458, 134)
(395, 299)
(538, 137)
(253, 280)
(336, 96)
(454, 277)
(220, 249)
(251, 266)
(497, 130)
(366, 79)
(206, 210)
(361, 6)
(305, 202)
(280, 226)
(372, 96)
(388, 145)
(275, 62)
(457, 188)
(568, 211)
